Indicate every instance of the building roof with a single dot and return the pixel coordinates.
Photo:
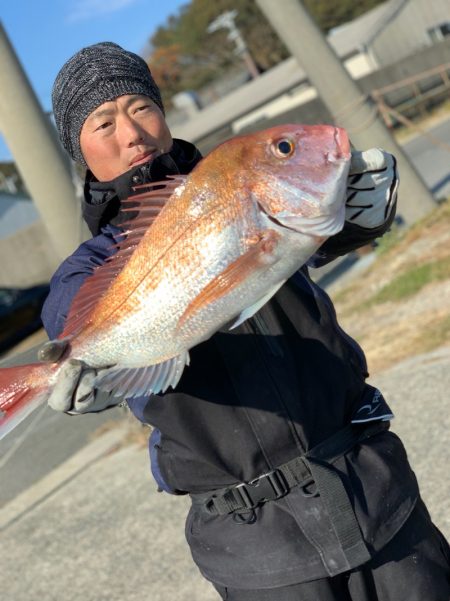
(360, 33)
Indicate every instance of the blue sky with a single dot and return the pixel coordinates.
(45, 34)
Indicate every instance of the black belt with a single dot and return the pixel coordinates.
(307, 471)
(314, 472)
(267, 487)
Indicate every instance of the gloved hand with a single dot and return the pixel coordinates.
(74, 392)
(372, 188)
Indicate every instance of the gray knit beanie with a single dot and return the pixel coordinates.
(95, 75)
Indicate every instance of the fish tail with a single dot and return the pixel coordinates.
(22, 389)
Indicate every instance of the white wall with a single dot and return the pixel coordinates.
(408, 31)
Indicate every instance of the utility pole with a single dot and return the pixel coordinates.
(226, 21)
(37, 152)
(344, 99)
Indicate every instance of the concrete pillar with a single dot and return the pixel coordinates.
(39, 156)
(344, 99)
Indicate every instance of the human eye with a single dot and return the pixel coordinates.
(103, 126)
(141, 108)
(142, 105)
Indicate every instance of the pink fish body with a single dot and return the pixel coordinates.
(225, 240)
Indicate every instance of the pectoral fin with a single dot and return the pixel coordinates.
(259, 255)
(132, 382)
(250, 311)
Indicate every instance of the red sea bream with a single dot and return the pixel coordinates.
(205, 250)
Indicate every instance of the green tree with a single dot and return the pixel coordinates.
(332, 13)
(204, 56)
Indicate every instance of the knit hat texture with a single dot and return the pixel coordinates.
(94, 75)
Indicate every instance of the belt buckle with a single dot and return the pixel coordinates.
(268, 487)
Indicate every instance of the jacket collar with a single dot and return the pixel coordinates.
(102, 200)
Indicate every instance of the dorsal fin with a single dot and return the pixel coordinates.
(147, 205)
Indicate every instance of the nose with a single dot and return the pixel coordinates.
(131, 132)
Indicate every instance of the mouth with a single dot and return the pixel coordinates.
(143, 157)
(342, 143)
(341, 151)
(275, 221)
(320, 226)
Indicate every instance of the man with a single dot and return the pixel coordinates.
(299, 491)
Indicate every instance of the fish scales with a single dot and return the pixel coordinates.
(173, 264)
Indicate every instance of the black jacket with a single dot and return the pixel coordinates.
(252, 399)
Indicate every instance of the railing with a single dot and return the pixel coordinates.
(412, 96)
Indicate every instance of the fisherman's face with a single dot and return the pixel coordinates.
(122, 134)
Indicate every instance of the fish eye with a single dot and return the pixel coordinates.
(283, 148)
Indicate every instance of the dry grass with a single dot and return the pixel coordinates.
(400, 306)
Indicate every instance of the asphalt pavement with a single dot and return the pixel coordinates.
(44, 440)
(431, 158)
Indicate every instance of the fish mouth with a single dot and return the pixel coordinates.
(274, 220)
(321, 226)
(342, 143)
(342, 150)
